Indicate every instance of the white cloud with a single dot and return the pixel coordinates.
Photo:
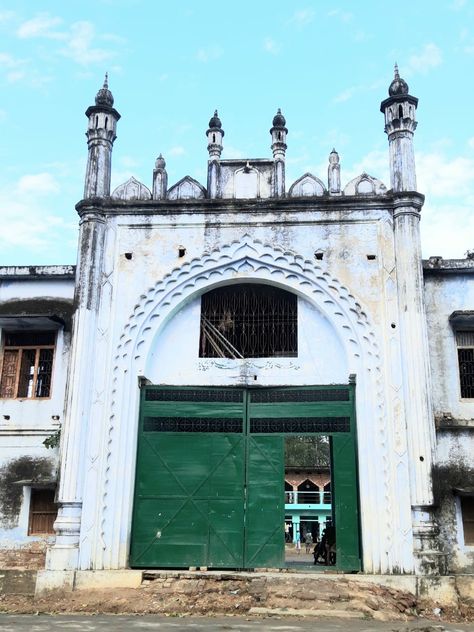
(346, 94)
(302, 17)
(177, 150)
(375, 163)
(344, 16)
(79, 38)
(439, 176)
(14, 70)
(209, 53)
(41, 26)
(7, 61)
(271, 46)
(38, 184)
(429, 57)
(470, 142)
(80, 45)
(233, 152)
(128, 162)
(6, 16)
(25, 224)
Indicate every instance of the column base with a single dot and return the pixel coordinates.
(64, 554)
(429, 559)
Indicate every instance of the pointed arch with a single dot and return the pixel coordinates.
(365, 185)
(307, 186)
(132, 189)
(186, 189)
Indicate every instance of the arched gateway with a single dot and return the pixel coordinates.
(249, 261)
(160, 285)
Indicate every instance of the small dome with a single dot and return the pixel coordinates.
(279, 120)
(215, 121)
(398, 85)
(104, 96)
(160, 162)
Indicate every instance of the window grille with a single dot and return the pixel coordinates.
(43, 512)
(467, 508)
(465, 343)
(248, 321)
(300, 395)
(299, 425)
(193, 424)
(193, 395)
(27, 365)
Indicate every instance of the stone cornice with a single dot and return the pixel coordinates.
(438, 265)
(112, 207)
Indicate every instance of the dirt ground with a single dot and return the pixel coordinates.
(179, 596)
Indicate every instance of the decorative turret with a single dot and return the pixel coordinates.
(160, 179)
(279, 132)
(101, 134)
(214, 134)
(399, 110)
(334, 173)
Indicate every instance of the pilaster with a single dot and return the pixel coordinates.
(63, 555)
(416, 376)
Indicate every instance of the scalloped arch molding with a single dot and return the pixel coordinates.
(255, 261)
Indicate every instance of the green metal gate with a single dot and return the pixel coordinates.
(210, 473)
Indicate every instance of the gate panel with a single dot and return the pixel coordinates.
(344, 476)
(265, 515)
(189, 496)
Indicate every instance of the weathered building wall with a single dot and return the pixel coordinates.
(38, 298)
(449, 287)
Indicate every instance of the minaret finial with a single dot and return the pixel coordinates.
(397, 76)
(106, 80)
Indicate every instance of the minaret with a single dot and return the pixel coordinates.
(214, 134)
(160, 179)
(279, 132)
(400, 124)
(399, 110)
(334, 174)
(101, 134)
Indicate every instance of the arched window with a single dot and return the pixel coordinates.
(306, 492)
(248, 321)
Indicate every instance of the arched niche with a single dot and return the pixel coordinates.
(186, 189)
(365, 185)
(307, 186)
(132, 189)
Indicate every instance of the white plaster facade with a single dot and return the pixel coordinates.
(38, 298)
(352, 256)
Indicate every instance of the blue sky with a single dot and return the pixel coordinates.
(326, 64)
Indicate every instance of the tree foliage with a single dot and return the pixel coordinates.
(307, 451)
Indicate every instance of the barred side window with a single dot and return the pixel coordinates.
(248, 321)
(465, 344)
(467, 509)
(43, 512)
(27, 364)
